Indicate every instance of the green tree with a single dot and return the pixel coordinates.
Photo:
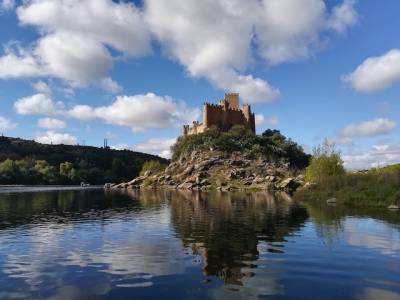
(26, 171)
(8, 171)
(68, 171)
(325, 162)
(45, 171)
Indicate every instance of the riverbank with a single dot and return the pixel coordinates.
(378, 187)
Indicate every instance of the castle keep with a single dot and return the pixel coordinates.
(225, 114)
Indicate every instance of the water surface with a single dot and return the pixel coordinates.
(92, 244)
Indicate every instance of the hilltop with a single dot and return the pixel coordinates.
(229, 160)
(22, 161)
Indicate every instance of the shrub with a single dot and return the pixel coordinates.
(153, 166)
(325, 162)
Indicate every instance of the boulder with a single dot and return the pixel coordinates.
(186, 186)
(206, 164)
(270, 178)
(394, 207)
(258, 180)
(204, 182)
(137, 180)
(332, 201)
(147, 173)
(109, 185)
(288, 185)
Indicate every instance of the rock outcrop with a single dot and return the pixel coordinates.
(205, 170)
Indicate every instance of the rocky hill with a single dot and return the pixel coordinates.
(233, 160)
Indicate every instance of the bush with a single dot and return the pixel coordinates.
(326, 162)
(271, 144)
(153, 166)
(373, 188)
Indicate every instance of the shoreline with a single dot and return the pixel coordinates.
(9, 189)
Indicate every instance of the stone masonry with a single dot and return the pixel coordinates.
(225, 114)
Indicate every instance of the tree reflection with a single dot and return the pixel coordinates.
(226, 228)
(59, 206)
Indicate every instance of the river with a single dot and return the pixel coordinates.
(94, 244)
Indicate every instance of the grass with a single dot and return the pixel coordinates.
(378, 187)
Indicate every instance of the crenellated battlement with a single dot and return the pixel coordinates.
(225, 114)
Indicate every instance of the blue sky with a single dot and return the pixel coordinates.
(135, 71)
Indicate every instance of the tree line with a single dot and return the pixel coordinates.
(29, 162)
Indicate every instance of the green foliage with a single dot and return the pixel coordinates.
(271, 144)
(325, 162)
(152, 165)
(378, 187)
(387, 169)
(28, 162)
(45, 171)
(68, 171)
(27, 172)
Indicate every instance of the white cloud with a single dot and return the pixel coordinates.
(42, 87)
(110, 85)
(121, 147)
(214, 38)
(253, 90)
(6, 5)
(272, 120)
(74, 39)
(156, 146)
(38, 104)
(18, 62)
(289, 29)
(115, 24)
(368, 129)
(140, 112)
(49, 123)
(81, 112)
(376, 73)
(52, 137)
(376, 156)
(343, 16)
(6, 124)
(77, 58)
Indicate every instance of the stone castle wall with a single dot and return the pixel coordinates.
(224, 115)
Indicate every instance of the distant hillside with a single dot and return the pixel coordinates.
(19, 157)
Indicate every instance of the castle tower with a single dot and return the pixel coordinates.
(246, 111)
(205, 115)
(185, 130)
(233, 100)
(249, 117)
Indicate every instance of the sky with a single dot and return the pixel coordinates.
(134, 72)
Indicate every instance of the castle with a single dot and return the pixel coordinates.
(225, 114)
